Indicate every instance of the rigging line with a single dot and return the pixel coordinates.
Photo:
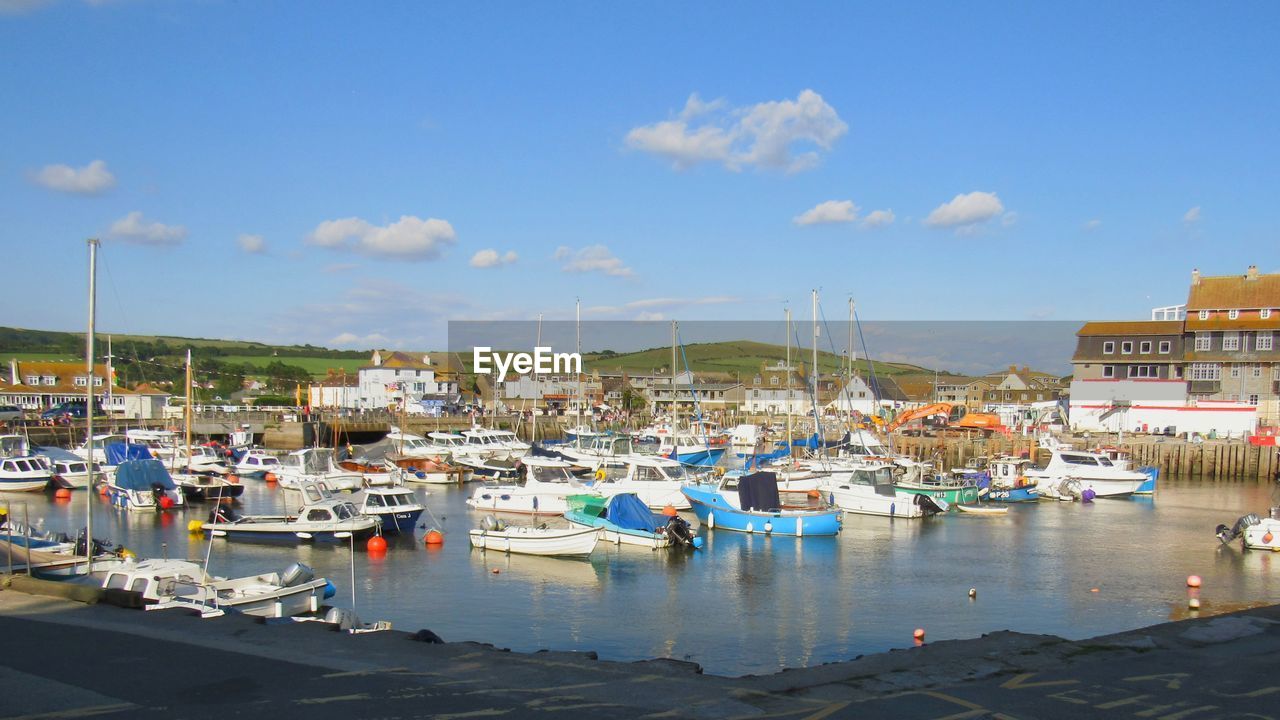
(871, 366)
(844, 391)
(693, 392)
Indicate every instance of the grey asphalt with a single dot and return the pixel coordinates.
(66, 660)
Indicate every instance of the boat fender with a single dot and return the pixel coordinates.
(711, 520)
(329, 589)
(768, 527)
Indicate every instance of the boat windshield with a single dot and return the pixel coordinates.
(551, 474)
(1104, 462)
(872, 476)
(676, 472)
(345, 511)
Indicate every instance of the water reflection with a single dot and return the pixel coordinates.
(754, 603)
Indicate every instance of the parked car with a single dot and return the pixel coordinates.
(10, 414)
(70, 410)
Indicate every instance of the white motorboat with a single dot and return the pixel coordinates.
(100, 443)
(163, 444)
(199, 487)
(415, 446)
(493, 444)
(595, 453)
(69, 470)
(179, 583)
(656, 480)
(20, 470)
(452, 445)
(198, 459)
(528, 540)
(1070, 473)
(547, 482)
(320, 517)
(316, 465)
(256, 462)
(397, 508)
(869, 489)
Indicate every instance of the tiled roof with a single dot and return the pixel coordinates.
(1131, 327)
(1234, 291)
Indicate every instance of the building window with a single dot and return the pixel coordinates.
(1166, 347)
(81, 381)
(50, 380)
(1253, 399)
(1108, 347)
(1126, 348)
(1256, 371)
(1145, 347)
(1264, 313)
(1204, 314)
(1233, 314)
(1235, 370)
(773, 380)
(1143, 371)
(1203, 340)
(1262, 341)
(1206, 371)
(1231, 341)
(97, 382)
(33, 379)
(1108, 371)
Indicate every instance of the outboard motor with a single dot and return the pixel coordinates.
(492, 524)
(296, 574)
(1226, 535)
(679, 531)
(223, 514)
(931, 505)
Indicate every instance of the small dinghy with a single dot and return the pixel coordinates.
(493, 534)
(982, 510)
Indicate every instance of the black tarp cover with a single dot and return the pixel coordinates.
(759, 491)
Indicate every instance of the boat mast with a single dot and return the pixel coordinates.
(577, 323)
(673, 383)
(817, 423)
(89, 408)
(787, 405)
(187, 414)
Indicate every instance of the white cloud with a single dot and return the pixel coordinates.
(490, 258)
(878, 218)
(965, 210)
(651, 306)
(1192, 215)
(831, 211)
(133, 228)
(592, 258)
(764, 135)
(1092, 225)
(252, 244)
(410, 237)
(650, 316)
(1009, 219)
(352, 340)
(92, 179)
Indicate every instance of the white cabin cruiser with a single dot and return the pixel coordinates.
(69, 470)
(319, 517)
(256, 462)
(656, 480)
(179, 583)
(600, 451)
(100, 443)
(1069, 473)
(547, 482)
(20, 470)
(415, 446)
(870, 489)
(316, 465)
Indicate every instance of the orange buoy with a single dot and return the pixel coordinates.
(434, 537)
(815, 494)
(102, 489)
(376, 544)
(495, 571)
(233, 479)
(668, 510)
(63, 494)
(1268, 537)
(918, 634)
(269, 477)
(1193, 581)
(1093, 590)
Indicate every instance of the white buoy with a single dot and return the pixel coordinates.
(749, 528)
(799, 527)
(711, 520)
(768, 527)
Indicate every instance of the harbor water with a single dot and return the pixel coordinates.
(748, 604)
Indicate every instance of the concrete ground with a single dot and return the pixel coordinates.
(66, 660)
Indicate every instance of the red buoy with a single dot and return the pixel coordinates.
(63, 494)
(166, 503)
(269, 477)
(376, 544)
(918, 634)
(1193, 581)
(434, 537)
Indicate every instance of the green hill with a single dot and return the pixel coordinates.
(734, 359)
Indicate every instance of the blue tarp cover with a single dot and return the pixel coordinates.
(142, 474)
(628, 511)
(759, 491)
(120, 452)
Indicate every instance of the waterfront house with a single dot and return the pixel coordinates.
(39, 385)
(393, 378)
(1231, 327)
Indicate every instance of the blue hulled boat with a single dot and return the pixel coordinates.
(757, 509)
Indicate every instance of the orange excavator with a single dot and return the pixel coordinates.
(957, 417)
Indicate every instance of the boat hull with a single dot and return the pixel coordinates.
(537, 541)
(1263, 536)
(715, 512)
(615, 535)
(864, 500)
(404, 521)
(277, 531)
(952, 495)
(1010, 495)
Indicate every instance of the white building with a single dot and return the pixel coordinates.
(398, 377)
(854, 396)
(1150, 405)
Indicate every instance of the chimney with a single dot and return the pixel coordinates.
(1252, 273)
(1195, 276)
(13, 371)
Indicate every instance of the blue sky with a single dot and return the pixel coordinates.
(357, 174)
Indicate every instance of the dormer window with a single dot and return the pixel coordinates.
(1264, 313)
(97, 382)
(1126, 347)
(1145, 347)
(1233, 314)
(50, 380)
(1204, 314)
(1108, 347)
(33, 379)
(81, 381)
(773, 380)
